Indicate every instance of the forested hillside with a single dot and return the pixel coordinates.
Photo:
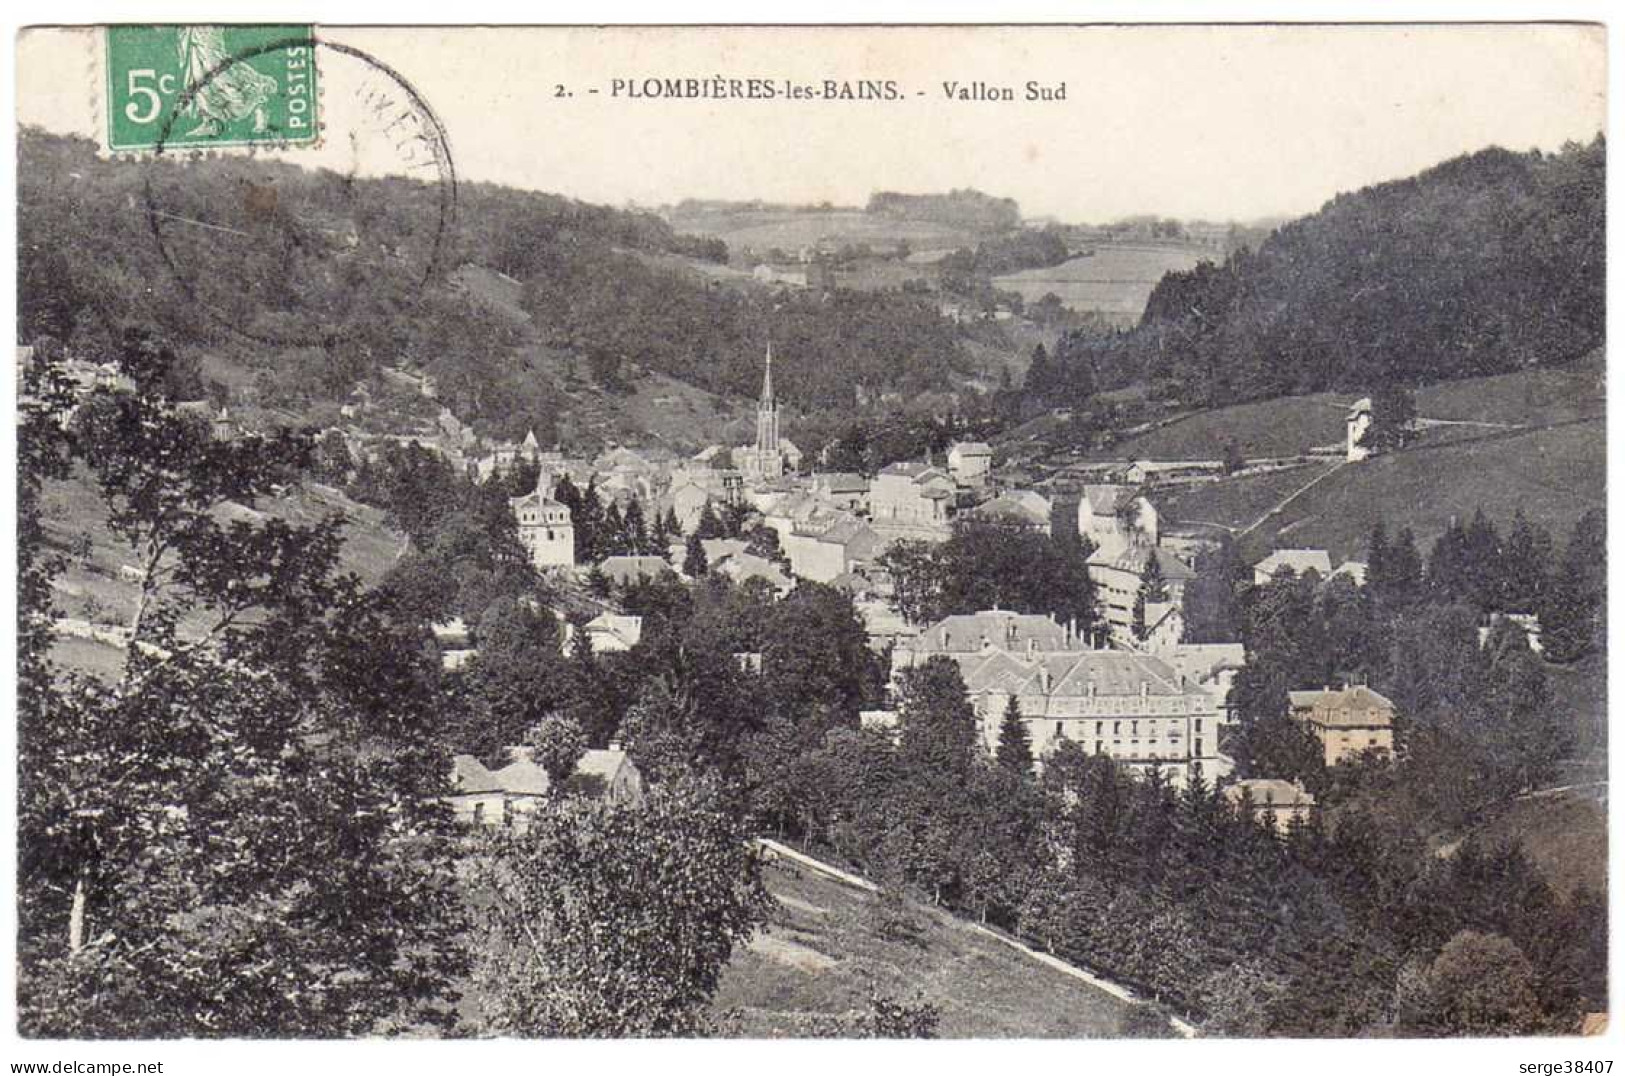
(1484, 264)
(304, 283)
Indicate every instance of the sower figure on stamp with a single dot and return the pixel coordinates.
(220, 93)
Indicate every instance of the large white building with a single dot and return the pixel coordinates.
(1136, 708)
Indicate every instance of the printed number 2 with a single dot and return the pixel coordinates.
(133, 80)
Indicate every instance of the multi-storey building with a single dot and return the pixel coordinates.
(1347, 722)
(545, 529)
(1133, 707)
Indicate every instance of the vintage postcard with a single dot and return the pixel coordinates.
(979, 532)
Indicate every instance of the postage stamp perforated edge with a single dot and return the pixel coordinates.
(99, 77)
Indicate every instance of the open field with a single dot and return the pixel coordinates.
(790, 230)
(823, 953)
(93, 588)
(1552, 394)
(1115, 280)
(1286, 426)
(1553, 475)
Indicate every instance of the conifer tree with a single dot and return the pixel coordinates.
(1153, 588)
(1015, 750)
(695, 563)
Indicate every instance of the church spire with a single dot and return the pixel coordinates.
(767, 422)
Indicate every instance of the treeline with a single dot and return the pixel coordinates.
(965, 208)
(1486, 263)
(1025, 248)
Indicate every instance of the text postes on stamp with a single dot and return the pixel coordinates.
(206, 86)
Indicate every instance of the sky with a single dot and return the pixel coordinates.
(1219, 123)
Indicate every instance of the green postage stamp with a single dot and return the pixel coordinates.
(207, 86)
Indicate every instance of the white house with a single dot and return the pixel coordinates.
(969, 462)
(545, 529)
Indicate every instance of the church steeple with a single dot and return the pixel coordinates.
(767, 420)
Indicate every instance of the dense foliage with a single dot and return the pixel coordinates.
(1484, 264)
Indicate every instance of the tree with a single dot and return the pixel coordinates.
(1153, 588)
(240, 835)
(610, 920)
(557, 744)
(1015, 750)
(1481, 984)
(1573, 616)
(1393, 419)
(938, 723)
(695, 563)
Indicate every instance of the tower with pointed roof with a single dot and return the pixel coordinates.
(769, 460)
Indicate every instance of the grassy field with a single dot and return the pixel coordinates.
(1553, 475)
(823, 952)
(92, 587)
(1554, 394)
(1565, 837)
(1116, 280)
(791, 230)
(1237, 502)
(1287, 426)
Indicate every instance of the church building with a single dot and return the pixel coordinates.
(771, 455)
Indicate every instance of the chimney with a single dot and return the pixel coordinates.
(1145, 688)
(1031, 645)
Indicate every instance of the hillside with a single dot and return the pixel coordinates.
(594, 301)
(1114, 280)
(1553, 475)
(1488, 263)
(94, 590)
(824, 950)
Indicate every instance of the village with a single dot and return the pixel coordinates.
(1129, 687)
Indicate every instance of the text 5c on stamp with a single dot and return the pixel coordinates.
(208, 86)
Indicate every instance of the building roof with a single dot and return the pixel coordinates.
(469, 777)
(972, 448)
(1299, 560)
(1020, 506)
(844, 482)
(628, 629)
(1203, 661)
(744, 566)
(919, 472)
(1105, 500)
(602, 762)
(1000, 628)
(1360, 406)
(1133, 560)
(1097, 673)
(1345, 706)
(1270, 792)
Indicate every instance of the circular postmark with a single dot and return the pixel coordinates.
(308, 254)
